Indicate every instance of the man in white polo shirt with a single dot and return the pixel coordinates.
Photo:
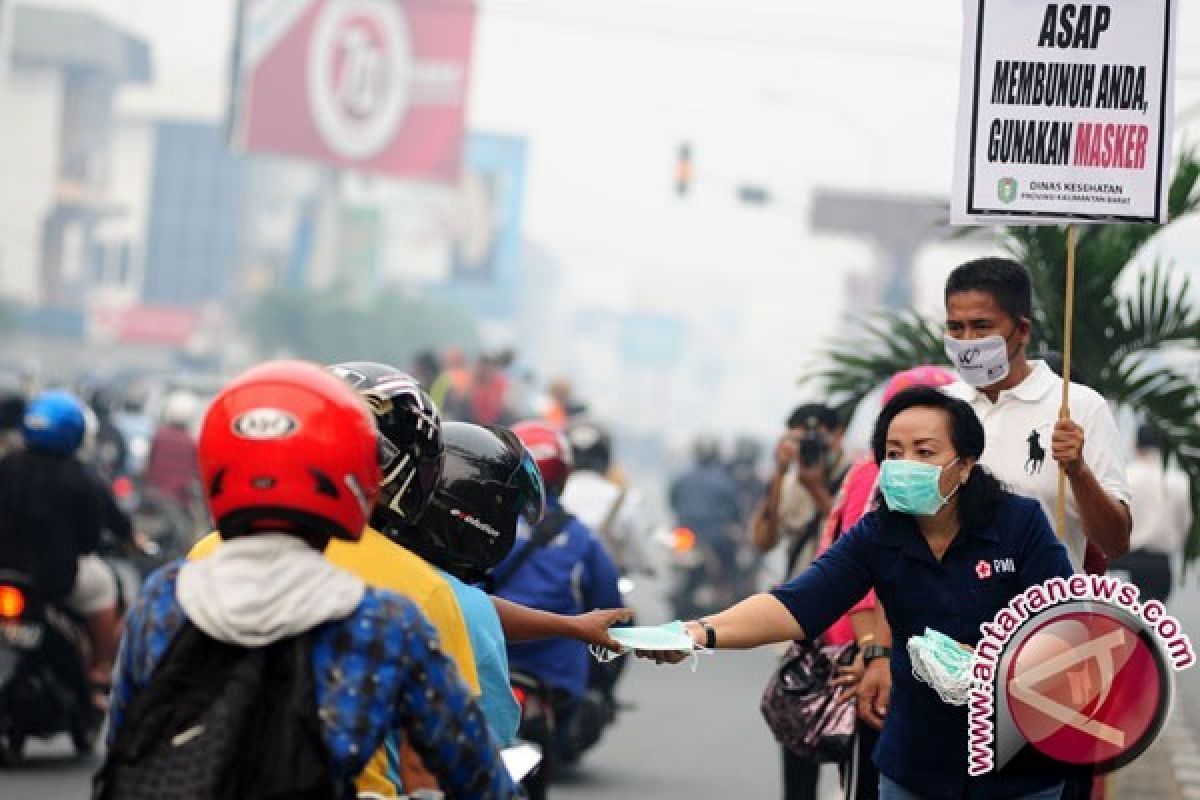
(989, 310)
(988, 325)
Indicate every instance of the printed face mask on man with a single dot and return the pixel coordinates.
(979, 362)
(982, 360)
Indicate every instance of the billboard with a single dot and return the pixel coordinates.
(461, 241)
(491, 193)
(163, 325)
(377, 86)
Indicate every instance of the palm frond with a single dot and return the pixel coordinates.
(1183, 196)
(1160, 313)
(1169, 402)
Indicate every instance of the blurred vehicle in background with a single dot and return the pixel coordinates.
(54, 644)
(142, 400)
(109, 451)
(604, 500)
(43, 684)
(157, 416)
(709, 565)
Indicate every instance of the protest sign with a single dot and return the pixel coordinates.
(1065, 112)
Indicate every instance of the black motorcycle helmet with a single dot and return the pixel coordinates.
(489, 480)
(410, 443)
(591, 446)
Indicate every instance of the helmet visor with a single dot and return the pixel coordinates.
(531, 495)
(528, 492)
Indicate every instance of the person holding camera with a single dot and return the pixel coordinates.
(810, 466)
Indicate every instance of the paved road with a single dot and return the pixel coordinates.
(1185, 606)
(50, 772)
(690, 736)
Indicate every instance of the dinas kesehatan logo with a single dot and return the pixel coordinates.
(1006, 189)
(1077, 668)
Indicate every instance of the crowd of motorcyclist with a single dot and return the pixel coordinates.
(473, 554)
(510, 541)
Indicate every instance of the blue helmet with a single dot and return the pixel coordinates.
(54, 422)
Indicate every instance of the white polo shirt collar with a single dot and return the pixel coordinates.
(1040, 382)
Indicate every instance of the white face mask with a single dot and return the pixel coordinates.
(980, 362)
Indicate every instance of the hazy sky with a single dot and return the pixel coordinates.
(792, 95)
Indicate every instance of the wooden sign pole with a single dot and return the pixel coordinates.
(1064, 411)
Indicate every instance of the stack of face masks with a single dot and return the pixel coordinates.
(671, 636)
(943, 664)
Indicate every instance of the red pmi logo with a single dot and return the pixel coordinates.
(983, 569)
(1088, 687)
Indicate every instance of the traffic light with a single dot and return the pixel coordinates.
(683, 169)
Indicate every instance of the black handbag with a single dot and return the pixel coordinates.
(801, 707)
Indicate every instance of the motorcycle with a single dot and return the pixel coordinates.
(44, 689)
(692, 590)
(537, 726)
(519, 760)
(563, 737)
(43, 685)
(167, 530)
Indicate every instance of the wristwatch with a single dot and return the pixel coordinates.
(710, 634)
(874, 651)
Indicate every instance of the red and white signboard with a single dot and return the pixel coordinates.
(166, 326)
(372, 85)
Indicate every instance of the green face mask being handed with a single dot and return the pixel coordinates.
(669, 637)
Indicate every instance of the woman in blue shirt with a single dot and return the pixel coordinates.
(942, 515)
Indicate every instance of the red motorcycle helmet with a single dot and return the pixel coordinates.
(288, 446)
(549, 449)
